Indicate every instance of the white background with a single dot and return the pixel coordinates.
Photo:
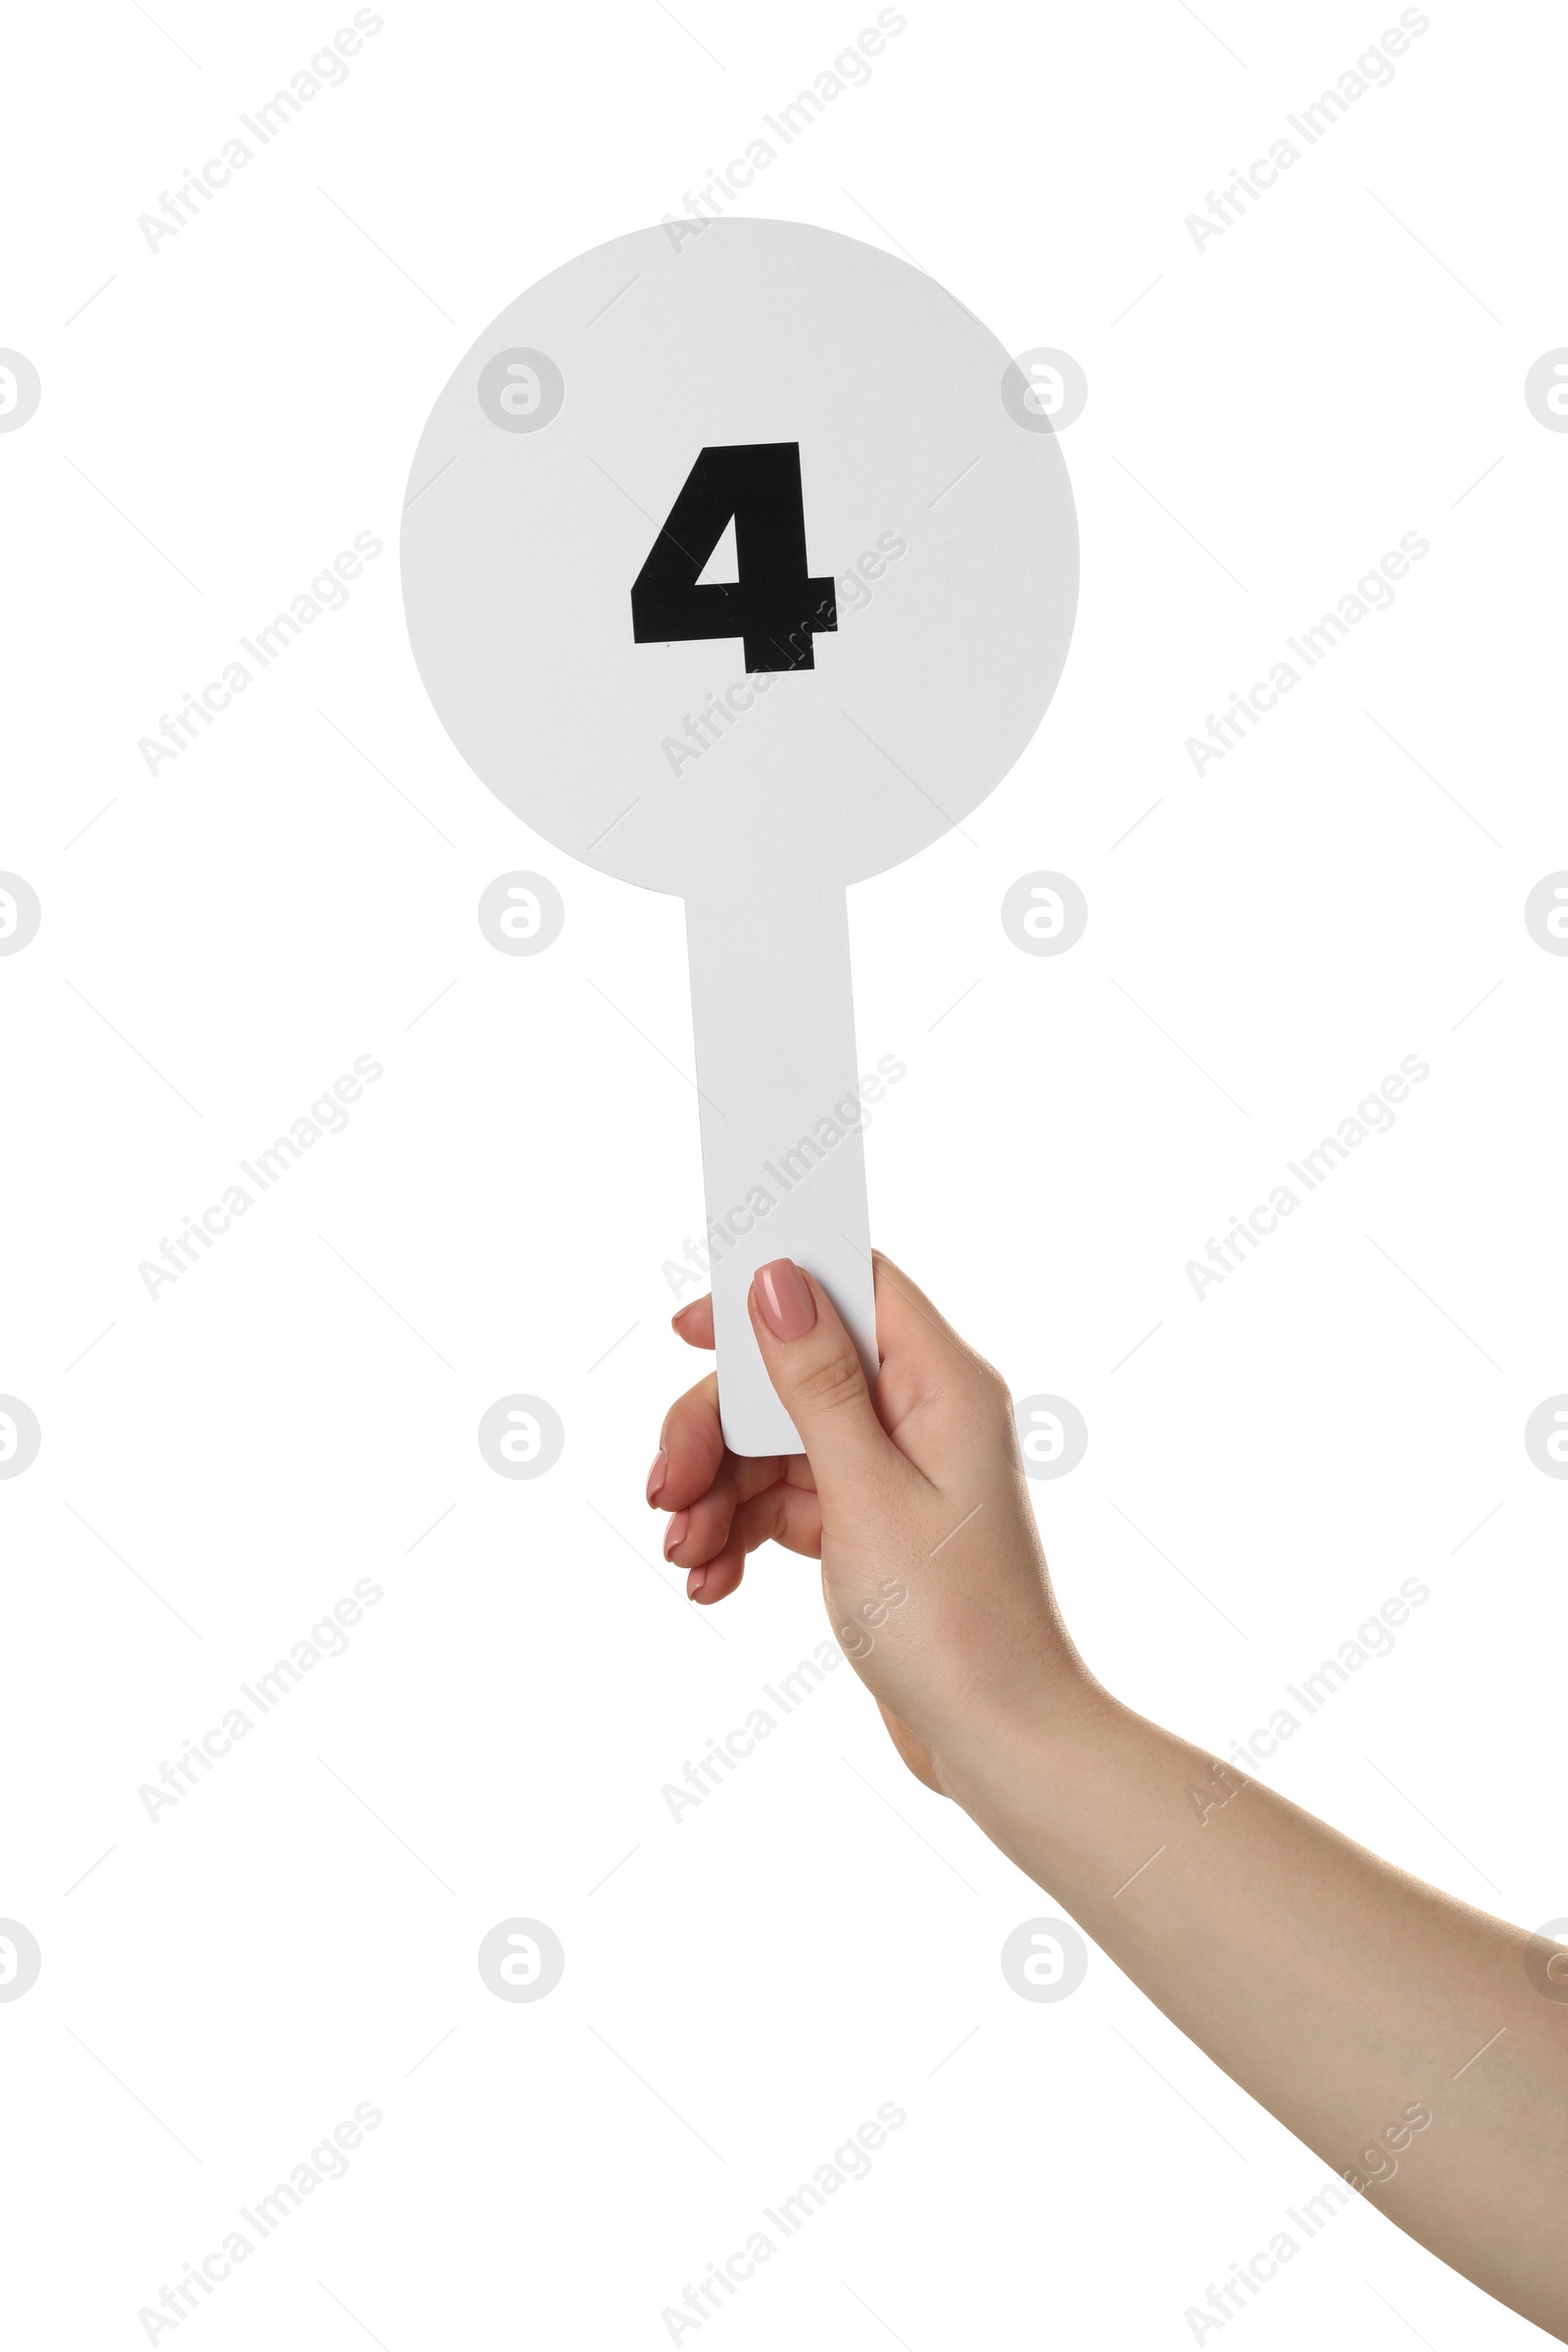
(224, 1462)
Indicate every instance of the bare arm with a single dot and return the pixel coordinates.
(1418, 2047)
(1393, 2029)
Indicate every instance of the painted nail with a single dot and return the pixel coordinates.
(675, 1531)
(788, 1308)
(694, 1583)
(656, 1476)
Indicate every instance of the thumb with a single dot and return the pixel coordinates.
(817, 1370)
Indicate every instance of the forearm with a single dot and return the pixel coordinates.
(1346, 1996)
(1417, 2046)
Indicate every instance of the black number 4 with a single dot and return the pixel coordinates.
(774, 605)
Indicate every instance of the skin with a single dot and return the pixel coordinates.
(1347, 1996)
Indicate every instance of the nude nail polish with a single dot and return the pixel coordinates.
(785, 1300)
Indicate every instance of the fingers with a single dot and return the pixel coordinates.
(709, 1494)
(813, 1363)
(916, 1337)
(936, 1396)
(718, 1579)
(906, 1319)
(694, 1323)
(723, 1506)
(700, 1527)
(925, 1362)
(690, 1452)
(783, 1513)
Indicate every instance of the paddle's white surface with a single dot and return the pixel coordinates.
(530, 513)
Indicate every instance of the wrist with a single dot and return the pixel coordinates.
(1044, 1736)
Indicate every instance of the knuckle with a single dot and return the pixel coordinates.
(773, 1528)
(838, 1382)
(994, 1408)
(986, 1387)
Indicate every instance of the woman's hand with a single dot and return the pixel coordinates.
(1357, 2004)
(914, 1502)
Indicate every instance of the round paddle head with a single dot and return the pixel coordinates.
(738, 543)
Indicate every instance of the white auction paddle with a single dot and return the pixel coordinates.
(740, 561)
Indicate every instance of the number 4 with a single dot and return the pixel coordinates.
(774, 605)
